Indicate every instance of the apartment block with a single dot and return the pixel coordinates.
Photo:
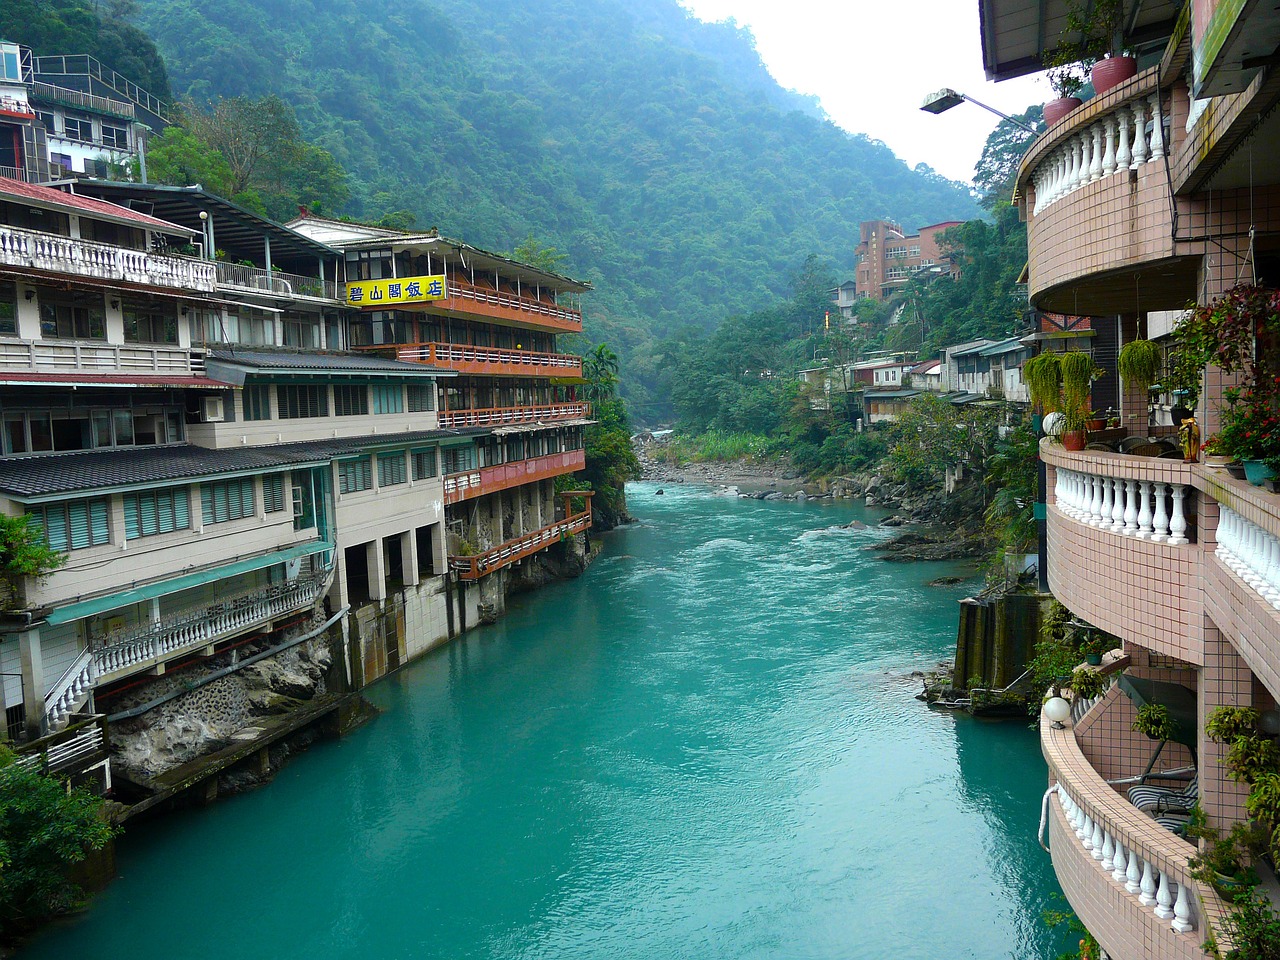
(887, 257)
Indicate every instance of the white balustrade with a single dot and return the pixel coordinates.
(103, 261)
(65, 695)
(498, 416)
(1115, 143)
(204, 625)
(1251, 553)
(1131, 508)
(1166, 895)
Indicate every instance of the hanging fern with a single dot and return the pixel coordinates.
(1139, 363)
(1043, 376)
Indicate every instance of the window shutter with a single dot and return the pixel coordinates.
(131, 531)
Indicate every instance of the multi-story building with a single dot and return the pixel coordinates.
(493, 321)
(63, 116)
(1152, 195)
(887, 257)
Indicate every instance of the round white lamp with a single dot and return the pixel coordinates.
(1053, 424)
(1057, 710)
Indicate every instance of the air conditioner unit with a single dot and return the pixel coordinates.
(211, 410)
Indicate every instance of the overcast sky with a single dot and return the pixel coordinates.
(872, 63)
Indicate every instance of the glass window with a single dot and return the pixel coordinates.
(8, 308)
(150, 322)
(73, 526)
(77, 128)
(354, 475)
(41, 427)
(459, 459)
(424, 464)
(388, 398)
(117, 137)
(301, 331)
(422, 397)
(228, 500)
(299, 402)
(391, 469)
(160, 511)
(257, 402)
(72, 316)
(350, 401)
(273, 493)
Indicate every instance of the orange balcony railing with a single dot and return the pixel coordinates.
(491, 361)
(476, 483)
(505, 554)
(463, 297)
(501, 416)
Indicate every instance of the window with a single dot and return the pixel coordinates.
(117, 137)
(391, 469)
(150, 323)
(354, 475)
(257, 402)
(8, 308)
(350, 401)
(422, 398)
(78, 129)
(9, 68)
(162, 511)
(273, 493)
(73, 526)
(298, 402)
(388, 398)
(228, 500)
(424, 464)
(459, 459)
(72, 316)
(301, 331)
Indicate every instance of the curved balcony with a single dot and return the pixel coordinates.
(1124, 874)
(1096, 198)
(491, 361)
(479, 301)
(477, 483)
(504, 416)
(1121, 550)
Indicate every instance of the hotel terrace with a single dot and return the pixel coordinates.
(1158, 192)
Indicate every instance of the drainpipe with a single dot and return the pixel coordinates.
(1044, 817)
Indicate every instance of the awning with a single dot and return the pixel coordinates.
(110, 380)
(539, 425)
(88, 608)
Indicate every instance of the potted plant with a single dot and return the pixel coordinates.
(1216, 452)
(1066, 73)
(1087, 683)
(1094, 645)
(1225, 862)
(1043, 377)
(1078, 374)
(1139, 364)
(1153, 719)
(1098, 26)
(1252, 758)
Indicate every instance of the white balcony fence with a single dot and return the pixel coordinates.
(1251, 553)
(1131, 135)
(499, 416)
(1143, 509)
(73, 356)
(103, 261)
(200, 626)
(460, 482)
(65, 695)
(275, 282)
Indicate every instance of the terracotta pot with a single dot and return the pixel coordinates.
(1097, 424)
(1074, 440)
(1111, 72)
(1055, 110)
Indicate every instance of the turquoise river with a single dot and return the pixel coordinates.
(706, 747)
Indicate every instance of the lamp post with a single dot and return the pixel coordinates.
(946, 98)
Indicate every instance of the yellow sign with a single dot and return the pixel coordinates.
(388, 293)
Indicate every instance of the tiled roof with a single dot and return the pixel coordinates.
(98, 470)
(73, 203)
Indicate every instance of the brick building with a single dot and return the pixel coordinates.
(886, 256)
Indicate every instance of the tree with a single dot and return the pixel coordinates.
(178, 158)
(997, 170)
(600, 370)
(44, 829)
(24, 554)
(538, 256)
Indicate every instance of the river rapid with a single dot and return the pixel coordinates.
(706, 747)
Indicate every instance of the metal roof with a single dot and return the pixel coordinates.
(971, 346)
(99, 471)
(890, 394)
(48, 198)
(549, 425)
(1017, 35)
(1011, 345)
(232, 366)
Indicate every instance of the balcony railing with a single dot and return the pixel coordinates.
(62, 699)
(1116, 853)
(14, 106)
(85, 101)
(475, 483)
(491, 361)
(500, 416)
(559, 317)
(73, 356)
(1251, 553)
(85, 258)
(77, 748)
(1133, 508)
(123, 651)
(13, 173)
(275, 283)
(1123, 137)
(505, 554)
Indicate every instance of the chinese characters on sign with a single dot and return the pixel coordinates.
(371, 293)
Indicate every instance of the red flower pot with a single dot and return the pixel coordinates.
(1074, 440)
(1055, 110)
(1112, 71)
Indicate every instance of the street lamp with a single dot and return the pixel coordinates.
(946, 98)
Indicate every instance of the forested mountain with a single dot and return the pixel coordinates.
(656, 151)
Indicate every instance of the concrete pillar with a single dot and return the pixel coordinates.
(340, 590)
(28, 313)
(114, 317)
(440, 563)
(377, 569)
(32, 680)
(409, 558)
